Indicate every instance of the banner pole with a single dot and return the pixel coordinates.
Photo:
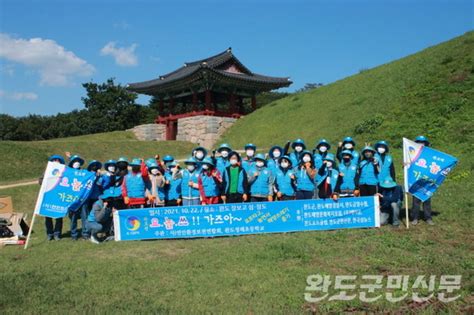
(29, 231)
(406, 211)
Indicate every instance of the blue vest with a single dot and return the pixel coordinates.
(135, 185)
(303, 181)
(96, 190)
(221, 164)
(186, 191)
(247, 165)
(318, 160)
(384, 166)
(209, 185)
(272, 165)
(173, 190)
(334, 174)
(111, 189)
(348, 180)
(367, 173)
(284, 181)
(260, 187)
(294, 157)
(240, 183)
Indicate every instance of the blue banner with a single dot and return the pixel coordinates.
(246, 218)
(426, 169)
(63, 189)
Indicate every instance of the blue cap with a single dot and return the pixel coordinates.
(150, 161)
(285, 157)
(190, 160)
(388, 182)
(381, 143)
(200, 149)
(208, 161)
(348, 139)
(152, 165)
(75, 158)
(136, 162)
(275, 147)
(298, 142)
(122, 159)
(367, 148)
(329, 157)
(260, 156)
(168, 158)
(422, 139)
(110, 162)
(224, 146)
(56, 157)
(250, 146)
(323, 141)
(94, 163)
(346, 152)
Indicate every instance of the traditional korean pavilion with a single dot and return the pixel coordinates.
(215, 86)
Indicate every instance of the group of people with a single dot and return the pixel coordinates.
(225, 176)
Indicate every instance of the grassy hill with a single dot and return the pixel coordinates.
(26, 160)
(430, 92)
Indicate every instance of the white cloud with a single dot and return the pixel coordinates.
(124, 56)
(56, 65)
(18, 96)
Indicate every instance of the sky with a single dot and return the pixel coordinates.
(49, 48)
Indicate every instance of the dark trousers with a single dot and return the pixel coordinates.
(304, 194)
(258, 199)
(417, 203)
(57, 229)
(368, 190)
(234, 198)
(171, 203)
(285, 198)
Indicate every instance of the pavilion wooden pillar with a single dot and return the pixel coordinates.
(161, 107)
(171, 105)
(208, 96)
(254, 103)
(195, 101)
(232, 108)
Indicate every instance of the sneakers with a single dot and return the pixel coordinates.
(430, 222)
(57, 238)
(414, 222)
(94, 240)
(49, 238)
(109, 238)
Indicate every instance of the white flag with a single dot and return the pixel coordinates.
(411, 151)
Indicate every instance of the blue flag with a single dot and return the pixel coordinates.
(63, 189)
(425, 169)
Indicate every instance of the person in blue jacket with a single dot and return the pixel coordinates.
(349, 176)
(369, 170)
(417, 203)
(189, 183)
(348, 144)
(96, 191)
(76, 162)
(235, 181)
(112, 184)
(261, 180)
(155, 185)
(167, 159)
(122, 167)
(305, 176)
(53, 231)
(172, 186)
(274, 154)
(320, 151)
(100, 219)
(285, 179)
(298, 147)
(387, 167)
(248, 161)
(199, 154)
(222, 161)
(391, 199)
(209, 183)
(329, 183)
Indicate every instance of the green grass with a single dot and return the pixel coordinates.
(27, 160)
(428, 93)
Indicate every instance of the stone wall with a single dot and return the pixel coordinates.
(203, 130)
(150, 132)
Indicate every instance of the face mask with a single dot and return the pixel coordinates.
(323, 149)
(200, 155)
(284, 164)
(260, 164)
(250, 153)
(348, 146)
(205, 167)
(381, 150)
(122, 166)
(276, 154)
(329, 164)
(306, 159)
(346, 159)
(298, 148)
(190, 168)
(111, 169)
(233, 162)
(76, 165)
(368, 155)
(135, 169)
(225, 154)
(155, 171)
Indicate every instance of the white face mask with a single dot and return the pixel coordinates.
(348, 146)
(306, 159)
(233, 162)
(250, 153)
(225, 154)
(298, 148)
(111, 169)
(284, 164)
(155, 171)
(329, 164)
(381, 150)
(205, 167)
(260, 164)
(276, 154)
(76, 165)
(323, 149)
(200, 155)
(190, 167)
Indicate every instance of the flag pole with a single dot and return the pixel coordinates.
(405, 179)
(29, 231)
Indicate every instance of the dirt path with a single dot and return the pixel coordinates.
(32, 182)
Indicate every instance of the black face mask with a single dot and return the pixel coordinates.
(122, 166)
(346, 160)
(136, 169)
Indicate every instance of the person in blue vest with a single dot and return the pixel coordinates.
(53, 231)
(285, 179)
(387, 167)
(274, 154)
(329, 183)
(209, 183)
(305, 176)
(222, 161)
(94, 166)
(298, 147)
(348, 144)
(134, 185)
(155, 185)
(349, 174)
(172, 186)
(248, 161)
(261, 180)
(112, 184)
(76, 162)
(391, 198)
(417, 203)
(199, 154)
(189, 183)
(320, 151)
(99, 219)
(369, 170)
(236, 186)
(122, 167)
(167, 159)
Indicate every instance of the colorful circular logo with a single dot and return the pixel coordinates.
(133, 223)
(56, 172)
